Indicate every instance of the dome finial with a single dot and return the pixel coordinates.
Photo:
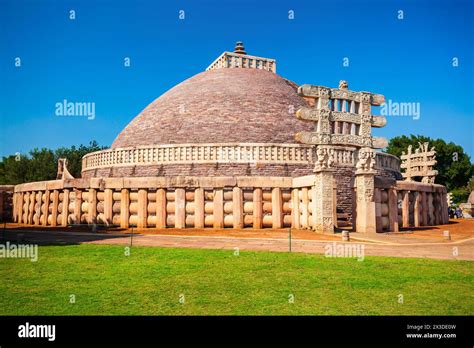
(239, 48)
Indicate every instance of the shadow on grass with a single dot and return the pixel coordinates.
(67, 235)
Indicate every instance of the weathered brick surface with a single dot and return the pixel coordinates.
(220, 106)
(219, 169)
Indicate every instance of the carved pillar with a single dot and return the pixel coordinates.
(322, 200)
(365, 195)
(366, 217)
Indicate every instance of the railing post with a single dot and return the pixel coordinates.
(237, 207)
(54, 213)
(47, 198)
(393, 210)
(92, 202)
(295, 209)
(277, 205)
(405, 209)
(257, 208)
(78, 206)
(180, 208)
(108, 206)
(142, 208)
(65, 210)
(218, 208)
(124, 208)
(417, 209)
(161, 208)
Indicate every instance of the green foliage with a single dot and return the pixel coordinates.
(460, 195)
(42, 164)
(454, 165)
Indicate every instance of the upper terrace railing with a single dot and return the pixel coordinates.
(224, 153)
(236, 60)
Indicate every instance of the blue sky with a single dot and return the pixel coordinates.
(408, 60)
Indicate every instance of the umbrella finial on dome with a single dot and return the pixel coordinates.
(239, 48)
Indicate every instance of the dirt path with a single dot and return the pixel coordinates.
(395, 245)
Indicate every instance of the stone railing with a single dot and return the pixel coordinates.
(387, 161)
(159, 202)
(225, 153)
(236, 60)
(403, 204)
(199, 153)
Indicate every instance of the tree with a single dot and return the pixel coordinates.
(453, 164)
(42, 164)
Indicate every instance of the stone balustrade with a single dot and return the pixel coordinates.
(403, 204)
(387, 161)
(178, 202)
(224, 153)
(236, 60)
(220, 202)
(199, 153)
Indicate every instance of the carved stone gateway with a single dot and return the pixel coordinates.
(342, 118)
(419, 164)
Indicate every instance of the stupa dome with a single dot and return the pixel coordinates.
(220, 106)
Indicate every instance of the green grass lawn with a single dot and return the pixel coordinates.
(215, 282)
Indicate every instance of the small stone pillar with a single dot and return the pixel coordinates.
(364, 179)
